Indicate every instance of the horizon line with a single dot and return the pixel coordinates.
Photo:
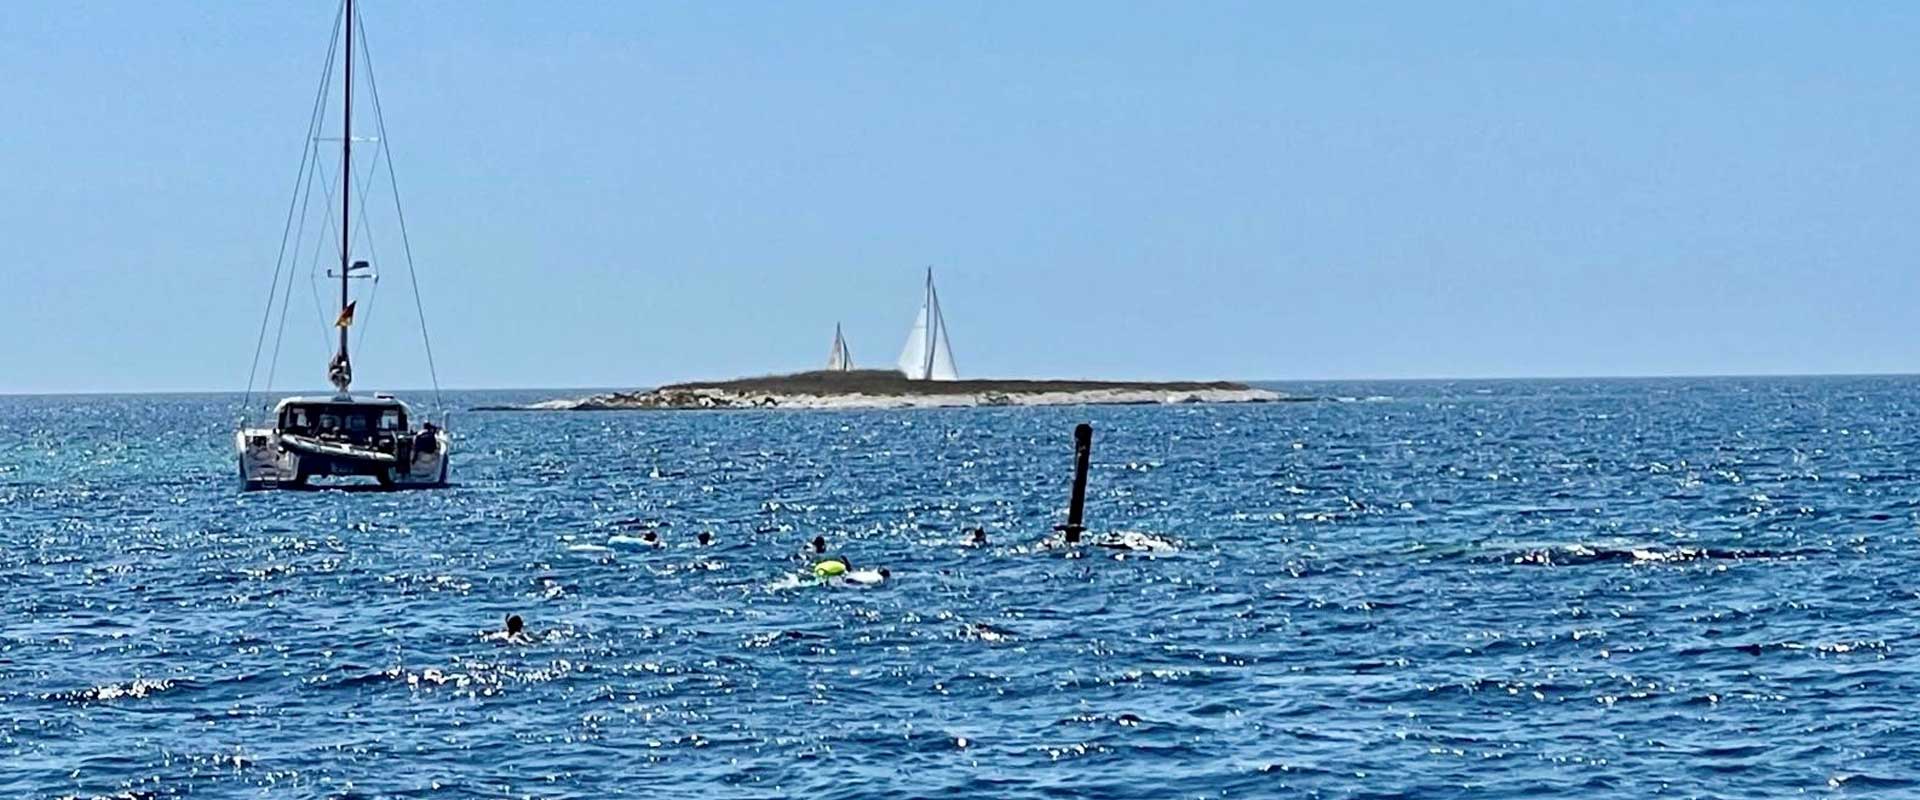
(1250, 381)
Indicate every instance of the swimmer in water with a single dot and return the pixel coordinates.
(650, 538)
(868, 577)
(979, 538)
(832, 568)
(706, 538)
(819, 544)
(842, 569)
(515, 632)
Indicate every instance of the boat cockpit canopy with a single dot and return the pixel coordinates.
(344, 420)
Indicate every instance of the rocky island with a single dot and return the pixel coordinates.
(890, 389)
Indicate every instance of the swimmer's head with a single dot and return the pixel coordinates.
(979, 535)
(819, 544)
(885, 573)
(706, 538)
(515, 624)
(650, 537)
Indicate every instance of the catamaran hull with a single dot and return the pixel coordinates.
(267, 462)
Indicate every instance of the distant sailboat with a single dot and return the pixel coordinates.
(839, 360)
(928, 355)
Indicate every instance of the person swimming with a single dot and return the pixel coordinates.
(514, 633)
(867, 577)
(979, 537)
(840, 569)
(706, 538)
(832, 567)
(651, 537)
(819, 544)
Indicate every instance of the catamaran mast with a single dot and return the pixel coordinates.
(346, 189)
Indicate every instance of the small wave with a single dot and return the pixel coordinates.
(771, 638)
(787, 583)
(689, 567)
(1862, 782)
(982, 632)
(1124, 720)
(483, 678)
(1136, 541)
(134, 690)
(1578, 554)
(1124, 541)
(355, 680)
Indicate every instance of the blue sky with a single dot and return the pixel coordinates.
(607, 194)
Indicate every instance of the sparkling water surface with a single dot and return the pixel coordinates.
(1688, 588)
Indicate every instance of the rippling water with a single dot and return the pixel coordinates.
(1509, 589)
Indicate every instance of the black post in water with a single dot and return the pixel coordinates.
(1077, 507)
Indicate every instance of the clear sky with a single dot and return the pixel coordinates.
(610, 194)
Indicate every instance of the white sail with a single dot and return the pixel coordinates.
(839, 360)
(928, 355)
(913, 357)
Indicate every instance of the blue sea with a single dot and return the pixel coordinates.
(1514, 589)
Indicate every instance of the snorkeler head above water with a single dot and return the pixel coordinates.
(515, 624)
(819, 544)
(706, 538)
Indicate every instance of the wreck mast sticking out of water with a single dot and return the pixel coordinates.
(928, 356)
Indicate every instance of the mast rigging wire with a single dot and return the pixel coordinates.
(311, 170)
(279, 261)
(380, 121)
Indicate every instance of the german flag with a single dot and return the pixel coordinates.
(346, 316)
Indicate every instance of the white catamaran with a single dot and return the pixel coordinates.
(928, 355)
(342, 434)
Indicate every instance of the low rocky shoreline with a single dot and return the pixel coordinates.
(877, 389)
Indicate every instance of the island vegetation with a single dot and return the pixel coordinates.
(889, 389)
